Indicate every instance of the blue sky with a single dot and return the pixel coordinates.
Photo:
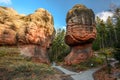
(58, 8)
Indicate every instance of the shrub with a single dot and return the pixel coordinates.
(117, 54)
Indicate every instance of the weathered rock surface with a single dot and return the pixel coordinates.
(81, 32)
(32, 33)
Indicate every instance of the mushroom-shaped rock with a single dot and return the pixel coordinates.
(33, 33)
(81, 32)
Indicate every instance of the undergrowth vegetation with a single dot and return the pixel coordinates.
(90, 63)
(13, 66)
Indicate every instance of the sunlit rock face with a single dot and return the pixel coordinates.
(81, 32)
(33, 33)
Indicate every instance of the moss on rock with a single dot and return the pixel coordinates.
(81, 11)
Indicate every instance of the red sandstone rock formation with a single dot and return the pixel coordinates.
(32, 33)
(81, 32)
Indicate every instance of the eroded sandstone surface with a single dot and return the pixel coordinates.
(32, 33)
(81, 32)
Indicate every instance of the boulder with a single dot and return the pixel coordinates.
(32, 33)
(81, 32)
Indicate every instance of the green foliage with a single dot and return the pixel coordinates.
(117, 54)
(13, 66)
(118, 33)
(94, 61)
(106, 34)
(3, 51)
(109, 37)
(80, 67)
(96, 44)
(28, 70)
(35, 68)
(90, 63)
(58, 49)
(117, 45)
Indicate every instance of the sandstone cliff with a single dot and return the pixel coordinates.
(32, 33)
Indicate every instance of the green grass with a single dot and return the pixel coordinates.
(108, 51)
(13, 66)
(90, 63)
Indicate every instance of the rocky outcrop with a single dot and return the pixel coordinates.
(81, 32)
(32, 33)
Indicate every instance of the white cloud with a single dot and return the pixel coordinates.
(5, 1)
(104, 15)
(60, 27)
(63, 27)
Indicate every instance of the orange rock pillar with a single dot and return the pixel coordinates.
(81, 32)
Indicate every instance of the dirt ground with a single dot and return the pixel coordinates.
(103, 74)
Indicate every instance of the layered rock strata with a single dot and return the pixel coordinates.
(81, 32)
(33, 33)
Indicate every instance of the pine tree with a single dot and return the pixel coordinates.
(110, 32)
(58, 49)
